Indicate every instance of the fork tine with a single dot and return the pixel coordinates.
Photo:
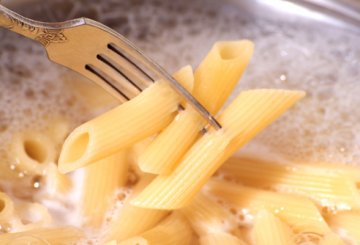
(100, 78)
(111, 63)
(115, 49)
(116, 78)
(124, 67)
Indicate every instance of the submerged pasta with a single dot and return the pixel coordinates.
(147, 172)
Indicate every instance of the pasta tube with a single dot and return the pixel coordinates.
(174, 230)
(215, 78)
(352, 171)
(269, 229)
(56, 182)
(134, 220)
(44, 236)
(220, 238)
(124, 125)
(34, 215)
(113, 242)
(101, 180)
(298, 212)
(206, 216)
(32, 152)
(246, 116)
(347, 223)
(326, 187)
(331, 239)
(6, 208)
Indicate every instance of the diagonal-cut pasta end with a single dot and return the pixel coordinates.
(220, 71)
(143, 116)
(231, 50)
(74, 150)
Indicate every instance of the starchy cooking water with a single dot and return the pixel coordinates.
(322, 61)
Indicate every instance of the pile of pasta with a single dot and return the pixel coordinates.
(183, 183)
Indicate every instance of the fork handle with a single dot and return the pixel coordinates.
(19, 24)
(42, 32)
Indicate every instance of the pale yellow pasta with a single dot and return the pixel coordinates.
(269, 229)
(347, 223)
(215, 78)
(32, 215)
(206, 216)
(246, 116)
(298, 212)
(101, 179)
(113, 242)
(222, 68)
(134, 220)
(165, 152)
(352, 171)
(6, 208)
(331, 239)
(174, 230)
(254, 110)
(326, 187)
(32, 152)
(43, 236)
(220, 238)
(119, 128)
(56, 182)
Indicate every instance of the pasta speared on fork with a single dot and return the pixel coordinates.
(179, 178)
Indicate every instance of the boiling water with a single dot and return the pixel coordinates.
(322, 61)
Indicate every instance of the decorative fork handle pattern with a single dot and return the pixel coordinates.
(30, 29)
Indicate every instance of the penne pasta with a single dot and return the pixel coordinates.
(56, 182)
(269, 229)
(351, 171)
(165, 152)
(215, 78)
(334, 189)
(32, 152)
(6, 208)
(33, 215)
(219, 72)
(134, 220)
(43, 236)
(100, 182)
(113, 242)
(137, 119)
(174, 230)
(220, 238)
(298, 212)
(246, 116)
(347, 224)
(207, 216)
(331, 239)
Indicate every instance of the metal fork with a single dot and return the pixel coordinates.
(100, 54)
